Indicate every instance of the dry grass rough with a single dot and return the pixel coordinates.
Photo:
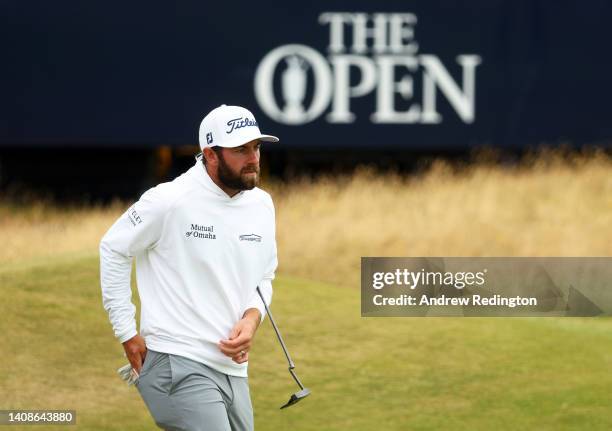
(548, 206)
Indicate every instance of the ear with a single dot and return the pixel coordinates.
(210, 156)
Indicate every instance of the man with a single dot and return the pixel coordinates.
(202, 244)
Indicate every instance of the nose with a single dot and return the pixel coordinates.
(253, 156)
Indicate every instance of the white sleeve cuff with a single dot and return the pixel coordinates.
(255, 302)
(126, 336)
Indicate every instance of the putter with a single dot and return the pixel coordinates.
(303, 392)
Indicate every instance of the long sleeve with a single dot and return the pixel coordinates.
(138, 229)
(265, 286)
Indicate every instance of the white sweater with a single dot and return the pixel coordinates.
(199, 257)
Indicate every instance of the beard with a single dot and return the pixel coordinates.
(243, 180)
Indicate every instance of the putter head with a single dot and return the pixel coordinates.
(297, 397)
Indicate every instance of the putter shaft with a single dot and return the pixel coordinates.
(280, 339)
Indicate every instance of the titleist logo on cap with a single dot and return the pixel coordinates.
(239, 123)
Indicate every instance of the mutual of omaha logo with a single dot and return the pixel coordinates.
(250, 237)
(200, 231)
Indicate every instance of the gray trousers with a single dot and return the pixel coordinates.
(186, 395)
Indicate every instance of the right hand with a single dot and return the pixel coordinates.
(135, 350)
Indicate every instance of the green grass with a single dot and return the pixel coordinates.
(58, 352)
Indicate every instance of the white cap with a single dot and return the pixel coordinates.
(230, 126)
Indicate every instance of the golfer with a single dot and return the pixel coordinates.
(202, 245)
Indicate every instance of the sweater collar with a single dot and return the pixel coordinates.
(209, 184)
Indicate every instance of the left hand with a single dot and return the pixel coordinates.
(240, 339)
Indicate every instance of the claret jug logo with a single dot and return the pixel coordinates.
(382, 48)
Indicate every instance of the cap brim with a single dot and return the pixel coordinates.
(238, 143)
(268, 138)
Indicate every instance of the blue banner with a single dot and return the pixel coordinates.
(430, 75)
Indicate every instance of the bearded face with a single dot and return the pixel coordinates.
(244, 178)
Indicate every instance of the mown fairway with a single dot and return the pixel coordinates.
(393, 374)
